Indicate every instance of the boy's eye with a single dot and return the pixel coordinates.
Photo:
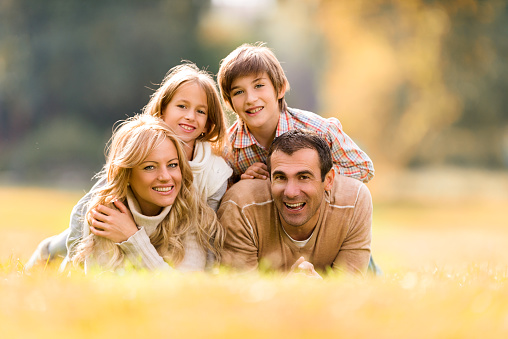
(258, 85)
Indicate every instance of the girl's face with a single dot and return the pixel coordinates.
(187, 113)
(158, 179)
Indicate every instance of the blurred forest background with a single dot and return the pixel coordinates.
(420, 85)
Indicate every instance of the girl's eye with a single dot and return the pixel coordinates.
(237, 92)
(201, 111)
(180, 106)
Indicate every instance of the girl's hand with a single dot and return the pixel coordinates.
(257, 170)
(115, 225)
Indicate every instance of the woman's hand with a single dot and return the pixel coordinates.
(115, 225)
(257, 170)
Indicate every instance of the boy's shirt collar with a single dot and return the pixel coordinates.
(244, 138)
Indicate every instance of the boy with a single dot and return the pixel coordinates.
(253, 84)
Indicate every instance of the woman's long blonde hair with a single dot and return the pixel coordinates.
(188, 72)
(132, 141)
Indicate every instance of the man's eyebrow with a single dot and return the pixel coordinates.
(305, 172)
(278, 172)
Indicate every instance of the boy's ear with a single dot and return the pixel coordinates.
(283, 90)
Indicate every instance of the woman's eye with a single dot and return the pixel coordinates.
(149, 167)
(173, 165)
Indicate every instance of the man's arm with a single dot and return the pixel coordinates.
(354, 253)
(240, 247)
(348, 158)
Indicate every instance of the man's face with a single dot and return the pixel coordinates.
(297, 189)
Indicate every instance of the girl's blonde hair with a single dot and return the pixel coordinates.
(190, 73)
(132, 141)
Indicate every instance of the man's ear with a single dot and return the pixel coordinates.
(283, 90)
(329, 178)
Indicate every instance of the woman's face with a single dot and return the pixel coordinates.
(187, 112)
(158, 179)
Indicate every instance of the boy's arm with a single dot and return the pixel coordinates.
(348, 158)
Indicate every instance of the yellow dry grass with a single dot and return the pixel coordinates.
(445, 263)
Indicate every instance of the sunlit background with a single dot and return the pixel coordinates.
(417, 84)
(420, 85)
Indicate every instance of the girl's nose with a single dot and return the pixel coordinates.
(190, 115)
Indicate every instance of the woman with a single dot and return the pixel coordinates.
(148, 213)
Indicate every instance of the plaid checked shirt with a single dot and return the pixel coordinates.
(348, 158)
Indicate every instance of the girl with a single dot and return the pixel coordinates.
(148, 212)
(188, 101)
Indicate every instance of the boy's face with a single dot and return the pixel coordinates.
(254, 99)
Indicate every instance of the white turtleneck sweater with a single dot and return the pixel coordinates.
(142, 254)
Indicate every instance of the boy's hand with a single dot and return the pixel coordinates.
(305, 268)
(257, 170)
(115, 225)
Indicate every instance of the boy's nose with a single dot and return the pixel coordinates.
(251, 97)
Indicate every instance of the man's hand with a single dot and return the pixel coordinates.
(257, 170)
(303, 267)
(115, 225)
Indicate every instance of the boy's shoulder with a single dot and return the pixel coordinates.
(300, 118)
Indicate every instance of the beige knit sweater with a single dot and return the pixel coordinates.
(341, 238)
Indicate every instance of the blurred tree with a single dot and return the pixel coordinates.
(418, 81)
(95, 61)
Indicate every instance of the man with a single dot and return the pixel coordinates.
(304, 219)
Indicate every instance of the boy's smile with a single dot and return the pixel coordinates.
(255, 101)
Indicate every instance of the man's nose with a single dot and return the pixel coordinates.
(292, 189)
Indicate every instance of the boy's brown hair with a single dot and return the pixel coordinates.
(251, 59)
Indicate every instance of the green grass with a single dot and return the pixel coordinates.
(446, 276)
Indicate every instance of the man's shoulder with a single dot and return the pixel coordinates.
(346, 191)
(249, 191)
